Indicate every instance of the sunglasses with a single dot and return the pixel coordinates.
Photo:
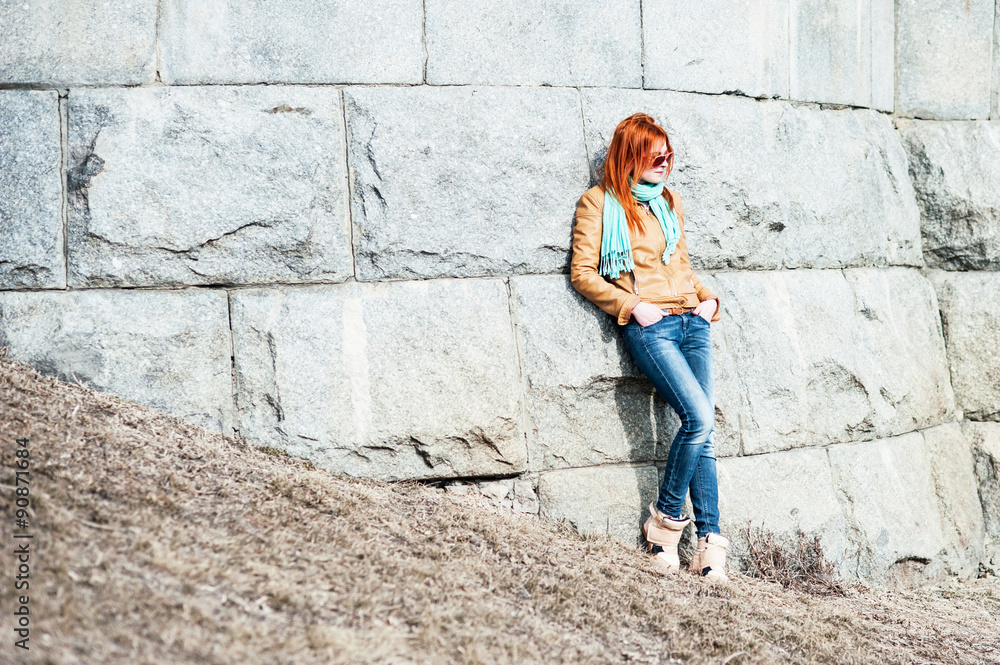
(659, 160)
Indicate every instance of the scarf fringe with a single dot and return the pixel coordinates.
(616, 263)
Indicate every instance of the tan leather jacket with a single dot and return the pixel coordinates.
(652, 281)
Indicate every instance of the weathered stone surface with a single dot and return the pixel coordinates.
(970, 311)
(565, 339)
(553, 42)
(781, 492)
(765, 183)
(841, 50)
(254, 41)
(985, 441)
(600, 500)
(728, 397)
(898, 333)
(840, 53)
(943, 52)
(525, 498)
(883, 37)
(398, 380)
(953, 468)
(587, 402)
(499, 492)
(955, 168)
(605, 421)
(31, 226)
(893, 521)
(166, 349)
(517, 496)
(699, 47)
(824, 356)
(192, 185)
(995, 95)
(459, 181)
(78, 42)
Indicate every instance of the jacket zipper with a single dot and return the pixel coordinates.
(673, 287)
(635, 278)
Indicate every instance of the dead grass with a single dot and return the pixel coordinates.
(160, 542)
(796, 561)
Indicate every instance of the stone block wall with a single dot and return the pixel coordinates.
(344, 230)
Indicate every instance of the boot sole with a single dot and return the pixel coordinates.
(664, 566)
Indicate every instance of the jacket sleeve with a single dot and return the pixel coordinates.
(587, 255)
(704, 293)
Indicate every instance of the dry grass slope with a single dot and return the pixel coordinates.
(160, 542)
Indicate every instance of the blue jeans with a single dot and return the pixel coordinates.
(675, 354)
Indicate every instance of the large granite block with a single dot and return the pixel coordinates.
(781, 492)
(606, 500)
(768, 184)
(825, 356)
(894, 523)
(970, 311)
(813, 50)
(587, 402)
(396, 380)
(254, 41)
(900, 336)
(168, 349)
(739, 46)
(600, 423)
(955, 168)
(943, 55)
(460, 181)
(841, 51)
(78, 42)
(207, 185)
(548, 42)
(953, 467)
(565, 339)
(31, 225)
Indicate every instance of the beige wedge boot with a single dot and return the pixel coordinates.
(664, 531)
(709, 559)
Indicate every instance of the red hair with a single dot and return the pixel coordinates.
(630, 154)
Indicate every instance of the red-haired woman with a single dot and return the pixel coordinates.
(630, 259)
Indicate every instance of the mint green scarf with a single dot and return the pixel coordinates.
(616, 248)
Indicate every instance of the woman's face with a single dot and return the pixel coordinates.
(657, 174)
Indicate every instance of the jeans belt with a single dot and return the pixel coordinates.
(677, 310)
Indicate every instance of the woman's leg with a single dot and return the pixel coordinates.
(705, 490)
(697, 350)
(675, 354)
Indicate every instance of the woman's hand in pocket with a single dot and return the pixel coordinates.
(646, 314)
(706, 309)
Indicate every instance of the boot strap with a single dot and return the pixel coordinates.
(664, 521)
(713, 557)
